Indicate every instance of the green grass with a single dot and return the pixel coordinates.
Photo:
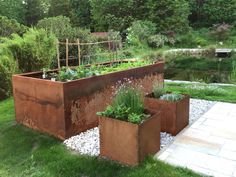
(24, 152)
(207, 92)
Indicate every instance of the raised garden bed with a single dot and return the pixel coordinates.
(129, 143)
(174, 115)
(64, 109)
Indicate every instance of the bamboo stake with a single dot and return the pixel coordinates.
(79, 52)
(58, 55)
(67, 53)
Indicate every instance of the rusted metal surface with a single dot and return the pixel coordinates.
(64, 109)
(129, 143)
(174, 115)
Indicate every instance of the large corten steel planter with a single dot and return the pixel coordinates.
(129, 143)
(64, 109)
(174, 115)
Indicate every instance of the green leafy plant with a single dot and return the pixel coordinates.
(140, 31)
(34, 51)
(233, 73)
(172, 97)
(158, 91)
(8, 67)
(221, 31)
(128, 105)
(68, 74)
(10, 26)
(157, 41)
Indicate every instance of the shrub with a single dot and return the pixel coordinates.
(34, 51)
(192, 39)
(221, 31)
(140, 31)
(7, 67)
(128, 105)
(156, 41)
(9, 26)
(172, 97)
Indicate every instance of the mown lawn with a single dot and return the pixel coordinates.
(24, 152)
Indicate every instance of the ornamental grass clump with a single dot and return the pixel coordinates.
(172, 97)
(128, 105)
(158, 91)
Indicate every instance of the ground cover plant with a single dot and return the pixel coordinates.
(25, 152)
(172, 97)
(204, 91)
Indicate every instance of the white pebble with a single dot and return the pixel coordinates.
(87, 143)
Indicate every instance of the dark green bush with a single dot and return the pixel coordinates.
(34, 51)
(219, 11)
(9, 26)
(169, 15)
(111, 14)
(192, 39)
(7, 67)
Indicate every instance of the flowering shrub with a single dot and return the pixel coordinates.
(156, 41)
(221, 31)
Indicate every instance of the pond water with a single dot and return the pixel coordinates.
(209, 70)
(194, 75)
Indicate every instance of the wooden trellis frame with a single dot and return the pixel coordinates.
(78, 44)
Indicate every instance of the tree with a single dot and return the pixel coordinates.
(13, 9)
(196, 16)
(169, 15)
(219, 11)
(34, 11)
(59, 7)
(140, 10)
(81, 13)
(111, 14)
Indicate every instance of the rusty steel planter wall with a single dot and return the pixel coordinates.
(129, 143)
(174, 115)
(64, 109)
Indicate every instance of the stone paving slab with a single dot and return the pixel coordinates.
(209, 145)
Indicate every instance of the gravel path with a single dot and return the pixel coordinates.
(87, 143)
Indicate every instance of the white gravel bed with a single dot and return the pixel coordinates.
(87, 143)
(198, 108)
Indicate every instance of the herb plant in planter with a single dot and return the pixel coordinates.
(174, 109)
(128, 132)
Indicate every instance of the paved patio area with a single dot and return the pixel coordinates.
(209, 145)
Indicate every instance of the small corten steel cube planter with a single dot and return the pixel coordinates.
(129, 143)
(174, 115)
(64, 109)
